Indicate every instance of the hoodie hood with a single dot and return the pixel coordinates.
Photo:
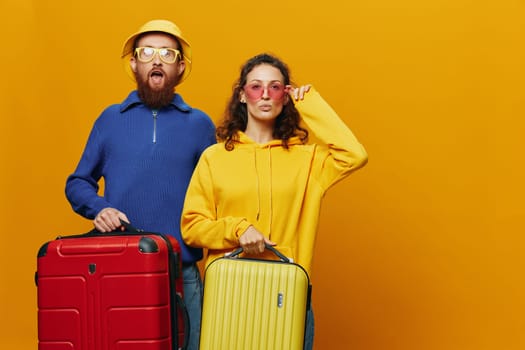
(245, 140)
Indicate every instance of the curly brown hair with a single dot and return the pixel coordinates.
(287, 123)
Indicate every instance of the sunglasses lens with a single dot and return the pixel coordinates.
(276, 91)
(146, 53)
(168, 55)
(255, 91)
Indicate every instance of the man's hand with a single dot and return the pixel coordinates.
(108, 219)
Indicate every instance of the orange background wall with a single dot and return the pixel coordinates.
(421, 249)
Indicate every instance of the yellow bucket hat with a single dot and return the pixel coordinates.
(157, 25)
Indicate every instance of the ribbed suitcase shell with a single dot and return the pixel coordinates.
(111, 292)
(254, 304)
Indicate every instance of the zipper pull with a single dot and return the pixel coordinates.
(155, 113)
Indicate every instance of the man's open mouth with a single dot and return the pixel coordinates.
(156, 76)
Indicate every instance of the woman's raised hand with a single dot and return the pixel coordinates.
(298, 93)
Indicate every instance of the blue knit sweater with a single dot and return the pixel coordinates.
(146, 159)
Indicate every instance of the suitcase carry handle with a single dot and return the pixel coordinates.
(280, 255)
(128, 228)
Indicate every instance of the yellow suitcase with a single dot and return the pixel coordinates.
(254, 304)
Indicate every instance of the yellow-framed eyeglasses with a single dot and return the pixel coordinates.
(166, 54)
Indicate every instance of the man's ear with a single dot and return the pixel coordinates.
(182, 67)
(133, 64)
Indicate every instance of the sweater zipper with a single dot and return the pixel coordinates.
(155, 113)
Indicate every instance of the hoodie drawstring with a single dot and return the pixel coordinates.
(271, 193)
(257, 184)
(264, 167)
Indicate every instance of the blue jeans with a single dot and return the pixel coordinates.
(309, 330)
(193, 301)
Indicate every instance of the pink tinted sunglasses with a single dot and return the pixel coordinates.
(275, 90)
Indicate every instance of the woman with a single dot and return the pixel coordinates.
(263, 184)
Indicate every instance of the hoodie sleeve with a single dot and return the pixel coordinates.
(338, 152)
(200, 226)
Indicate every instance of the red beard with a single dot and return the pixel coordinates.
(156, 98)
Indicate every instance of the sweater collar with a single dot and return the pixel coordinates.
(133, 100)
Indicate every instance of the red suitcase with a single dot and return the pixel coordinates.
(117, 291)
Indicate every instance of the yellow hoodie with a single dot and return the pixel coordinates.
(277, 190)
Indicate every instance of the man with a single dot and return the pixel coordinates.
(146, 149)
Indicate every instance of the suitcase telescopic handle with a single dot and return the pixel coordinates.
(280, 255)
